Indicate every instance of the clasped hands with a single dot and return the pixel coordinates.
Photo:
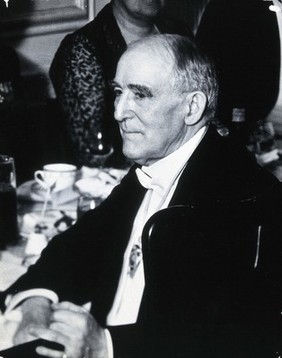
(65, 323)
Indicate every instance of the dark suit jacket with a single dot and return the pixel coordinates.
(242, 37)
(193, 268)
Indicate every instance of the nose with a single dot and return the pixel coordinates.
(122, 107)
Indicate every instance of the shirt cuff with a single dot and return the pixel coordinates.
(109, 344)
(12, 301)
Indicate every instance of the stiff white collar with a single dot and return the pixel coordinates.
(163, 172)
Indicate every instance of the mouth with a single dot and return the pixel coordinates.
(129, 133)
(130, 136)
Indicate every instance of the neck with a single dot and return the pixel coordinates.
(132, 28)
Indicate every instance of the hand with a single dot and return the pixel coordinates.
(76, 329)
(9, 324)
(35, 311)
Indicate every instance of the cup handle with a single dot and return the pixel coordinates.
(39, 178)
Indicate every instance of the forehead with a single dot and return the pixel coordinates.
(143, 65)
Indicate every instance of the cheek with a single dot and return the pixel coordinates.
(159, 121)
(134, 143)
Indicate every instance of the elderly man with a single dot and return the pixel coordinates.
(204, 281)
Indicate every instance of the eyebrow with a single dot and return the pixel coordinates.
(145, 90)
(142, 89)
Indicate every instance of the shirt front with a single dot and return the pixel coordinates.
(160, 179)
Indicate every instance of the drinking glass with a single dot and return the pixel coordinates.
(6, 92)
(8, 202)
(85, 203)
(263, 137)
(100, 149)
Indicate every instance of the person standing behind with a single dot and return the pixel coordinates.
(86, 61)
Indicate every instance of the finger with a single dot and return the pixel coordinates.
(79, 320)
(71, 325)
(70, 318)
(47, 352)
(62, 327)
(69, 306)
(74, 330)
(48, 334)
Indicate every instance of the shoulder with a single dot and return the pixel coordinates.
(97, 30)
(92, 33)
(76, 53)
(101, 37)
(169, 25)
(221, 170)
(76, 46)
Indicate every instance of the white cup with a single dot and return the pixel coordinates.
(59, 175)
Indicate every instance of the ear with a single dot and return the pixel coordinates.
(197, 102)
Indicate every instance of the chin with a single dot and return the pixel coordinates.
(132, 155)
(152, 13)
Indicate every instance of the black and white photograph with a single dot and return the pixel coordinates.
(140, 178)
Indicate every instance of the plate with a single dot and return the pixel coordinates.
(97, 182)
(32, 191)
(53, 222)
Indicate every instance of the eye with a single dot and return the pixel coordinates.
(139, 95)
(142, 92)
(117, 91)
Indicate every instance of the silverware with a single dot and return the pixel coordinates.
(46, 199)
